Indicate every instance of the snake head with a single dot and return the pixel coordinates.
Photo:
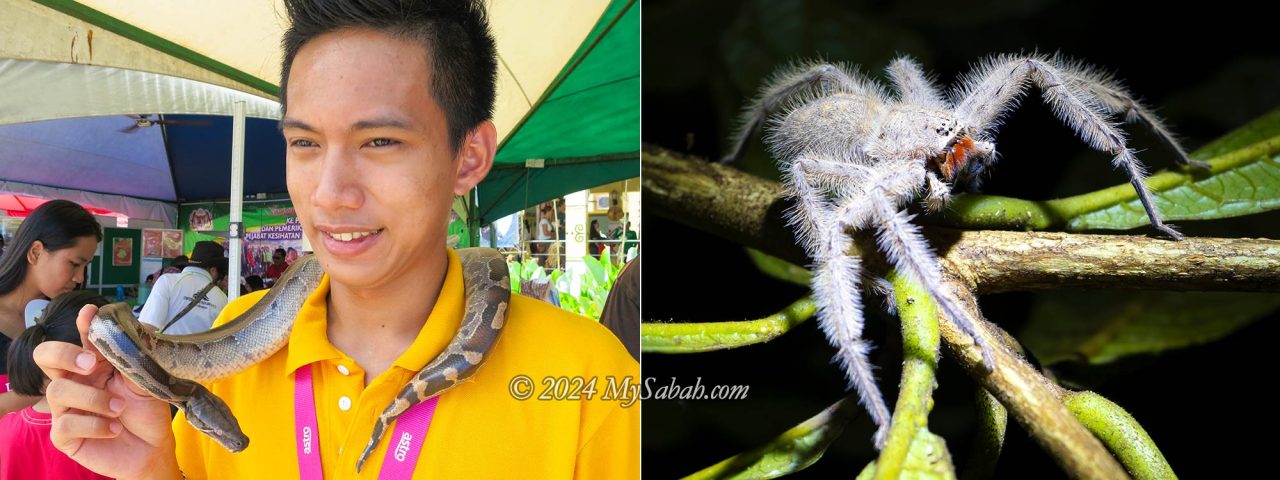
(208, 414)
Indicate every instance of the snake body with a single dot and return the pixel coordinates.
(169, 366)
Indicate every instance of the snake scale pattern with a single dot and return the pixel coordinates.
(169, 366)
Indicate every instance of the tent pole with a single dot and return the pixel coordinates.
(237, 202)
(473, 218)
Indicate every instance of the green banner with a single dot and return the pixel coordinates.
(267, 226)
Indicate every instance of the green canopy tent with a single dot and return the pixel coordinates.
(231, 46)
(583, 132)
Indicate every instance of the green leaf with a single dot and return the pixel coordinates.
(793, 451)
(514, 269)
(1098, 327)
(531, 267)
(1259, 130)
(595, 269)
(1243, 184)
(928, 459)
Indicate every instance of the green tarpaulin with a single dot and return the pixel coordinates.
(586, 127)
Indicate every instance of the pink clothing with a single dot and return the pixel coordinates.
(26, 452)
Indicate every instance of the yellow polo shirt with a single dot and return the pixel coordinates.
(479, 430)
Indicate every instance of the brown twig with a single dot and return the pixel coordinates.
(1029, 396)
(748, 210)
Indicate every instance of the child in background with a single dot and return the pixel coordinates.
(25, 449)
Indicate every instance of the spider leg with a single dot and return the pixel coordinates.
(1115, 99)
(836, 289)
(884, 290)
(907, 250)
(938, 192)
(999, 84)
(787, 84)
(913, 85)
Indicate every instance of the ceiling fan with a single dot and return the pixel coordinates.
(144, 120)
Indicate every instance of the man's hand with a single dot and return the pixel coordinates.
(100, 418)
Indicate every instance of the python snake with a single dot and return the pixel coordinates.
(169, 366)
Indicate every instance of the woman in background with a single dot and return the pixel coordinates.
(25, 449)
(46, 258)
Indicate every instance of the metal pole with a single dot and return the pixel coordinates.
(237, 202)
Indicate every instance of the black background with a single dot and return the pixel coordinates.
(1206, 69)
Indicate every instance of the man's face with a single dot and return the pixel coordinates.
(369, 165)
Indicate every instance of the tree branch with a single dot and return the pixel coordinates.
(748, 210)
(1029, 396)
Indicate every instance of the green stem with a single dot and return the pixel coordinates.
(993, 419)
(707, 336)
(794, 450)
(1121, 433)
(920, 341)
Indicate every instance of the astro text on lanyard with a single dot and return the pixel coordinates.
(406, 441)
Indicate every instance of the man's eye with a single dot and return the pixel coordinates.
(382, 142)
(302, 143)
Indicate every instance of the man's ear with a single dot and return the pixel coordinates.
(475, 157)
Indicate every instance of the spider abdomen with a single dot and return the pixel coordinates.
(839, 125)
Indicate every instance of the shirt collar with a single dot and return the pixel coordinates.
(442, 323)
(309, 341)
(198, 271)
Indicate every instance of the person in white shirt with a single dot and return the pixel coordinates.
(175, 293)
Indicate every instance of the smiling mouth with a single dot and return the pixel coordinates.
(352, 236)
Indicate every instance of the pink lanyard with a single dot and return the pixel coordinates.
(402, 457)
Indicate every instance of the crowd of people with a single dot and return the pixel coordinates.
(547, 235)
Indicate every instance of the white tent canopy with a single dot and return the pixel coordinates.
(236, 43)
(167, 213)
(39, 90)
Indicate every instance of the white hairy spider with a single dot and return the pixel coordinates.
(853, 157)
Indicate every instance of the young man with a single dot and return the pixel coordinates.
(187, 302)
(387, 118)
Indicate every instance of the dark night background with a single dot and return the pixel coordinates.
(1206, 70)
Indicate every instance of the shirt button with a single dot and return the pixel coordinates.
(344, 404)
(343, 370)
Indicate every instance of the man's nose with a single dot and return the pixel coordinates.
(338, 186)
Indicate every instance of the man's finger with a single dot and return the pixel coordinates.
(65, 394)
(61, 359)
(69, 433)
(83, 319)
(70, 430)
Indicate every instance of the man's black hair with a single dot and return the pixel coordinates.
(455, 34)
